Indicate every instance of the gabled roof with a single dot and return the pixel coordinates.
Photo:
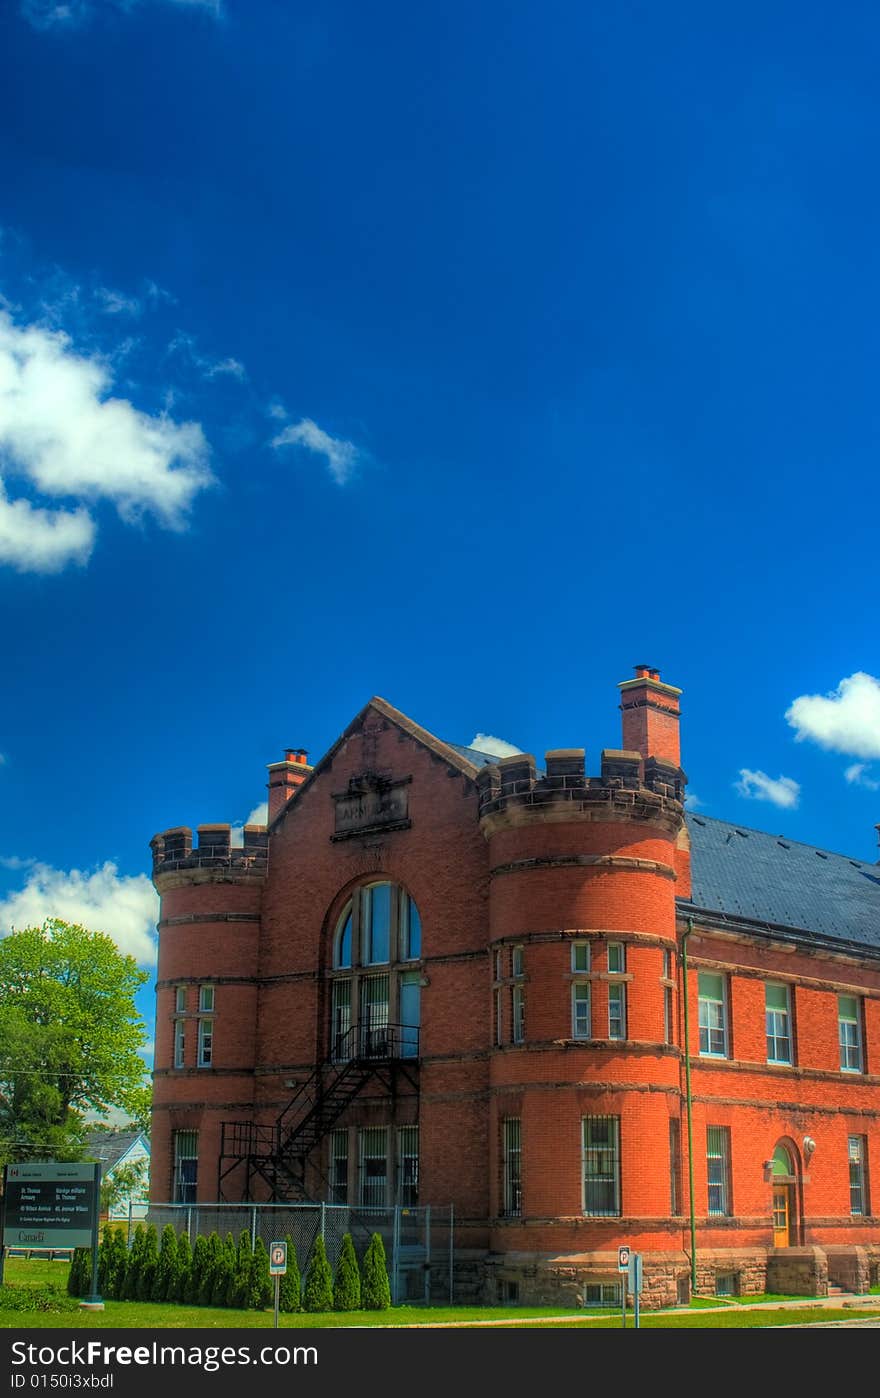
(112, 1146)
(748, 875)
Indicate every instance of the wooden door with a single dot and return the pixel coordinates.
(781, 1216)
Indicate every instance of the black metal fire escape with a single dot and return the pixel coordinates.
(281, 1154)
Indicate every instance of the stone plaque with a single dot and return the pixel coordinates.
(371, 804)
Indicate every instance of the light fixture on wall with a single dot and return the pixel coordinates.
(809, 1146)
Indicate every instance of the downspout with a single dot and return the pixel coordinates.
(687, 1080)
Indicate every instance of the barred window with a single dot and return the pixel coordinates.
(512, 1165)
(857, 1147)
(408, 1166)
(718, 1169)
(339, 1166)
(373, 1166)
(601, 1165)
(186, 1166)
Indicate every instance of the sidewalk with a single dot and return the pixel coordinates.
(844, 1300)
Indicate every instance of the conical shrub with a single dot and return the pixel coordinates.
(347, 1282)
(182, 1269)
(215, 1255)
(262, 1284)
(196, 1271)
(149, 1264)
(375, 1286)
(238, 1294)
(290, 1289)
(129, 1289)
(163, 1282)
(318, 1290)
(223, 1271)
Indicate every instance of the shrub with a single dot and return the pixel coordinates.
(79, 1278)
(182, 1269)
(375, 1287)
(318, 1290)
(262, 1290)
(163, 1282)
(149, 1264)
(215, 1254)
(197, 1270)
(290, 1289)
(238, 1293)
(223, 1272)
(129, 1288)
(36, 1298)
(347, 1282)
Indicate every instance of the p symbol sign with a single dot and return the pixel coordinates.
(623, 1258)
(277, 1259)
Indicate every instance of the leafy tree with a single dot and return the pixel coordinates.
(223, 1272)
(290, 1290)
(375, 1286)
(128, 1290)
(238, 1293)
(318, 1290)
(163, 1283)
(197, 1271)
(215, 1258)
(182, 1270)
(126, 1182)
(262, 1285)
(79, 1278)
(69, 1038)
(112, 1255)
(149, 1264)
(347, 1282)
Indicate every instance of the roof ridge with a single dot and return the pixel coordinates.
(788, 839)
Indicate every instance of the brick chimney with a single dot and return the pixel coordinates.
(650, 716)
(285, 777)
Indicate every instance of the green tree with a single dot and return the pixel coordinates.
(290, 1290)
(318, 1290)
(116, 1265)
(128, 1290)
(79, 1278)
(239, 1290)
(375, 1286)
(126, 1182)
(223, 1272)
(163, 1283)
(149, 1264)
(182, 1269)
(69, 1038)
(209, 1275)
(262, 1284)
(197, 1271)
(347, 1282)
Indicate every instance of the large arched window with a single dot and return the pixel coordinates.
(375, 995)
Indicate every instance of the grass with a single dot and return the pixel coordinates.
(143, 1316)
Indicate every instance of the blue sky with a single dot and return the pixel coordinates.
(465, 355)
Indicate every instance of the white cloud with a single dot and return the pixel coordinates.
(124, 906)
(185, 345)
(277, 410)
(341, 456)
(757, 786)
(497, 747)
(233, 367)
(692, 801)
(847, 719)
(68, 14)
(856, 775)
(42, 541)
(59, 428)
(258, 816)
(115, 303)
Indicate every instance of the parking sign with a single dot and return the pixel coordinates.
(623, 1258)
(277, 1259)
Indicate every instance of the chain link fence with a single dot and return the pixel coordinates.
(419, 1242)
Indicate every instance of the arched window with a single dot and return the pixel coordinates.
(375, 993)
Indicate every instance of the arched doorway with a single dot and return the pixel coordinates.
(783, 1178)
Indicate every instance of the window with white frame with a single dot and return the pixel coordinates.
(668, 1002)
(857, 1149)
(408, 1166)
(517, 996)
(206, 999)
(616, 957)
(373, 1166)
(718, 1169)
(849, 1025)
(186, 1166)
(374, 996)
(616, 1010)
(511, 1151)
(777, 1011)
(179, 1042)
(581, 1021)
(712, 1014)
(180, 999)
(601, 1165)
(339, 1165)
(206, 1042)
(674, 1165)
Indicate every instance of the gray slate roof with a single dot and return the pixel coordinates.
(748, 874)
(110, 1146)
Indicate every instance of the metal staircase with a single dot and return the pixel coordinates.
(279, 1155)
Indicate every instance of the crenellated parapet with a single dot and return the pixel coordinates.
(629, 787)
(177, 861)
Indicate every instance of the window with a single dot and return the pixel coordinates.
(617, 1011)
(206, 998)
(186, 1166)
(408, 1166)
(601, 1160)
(858, 1175)
(668, 1004)
(712, 1005)
(580, 1010)
(777, 1010)
(512, 1161)
(519, 1012)
(517, 967)
(580, 956)
(206, 1042)
(602, 1294)
(375, 1012)
(180, 999)
(179, 1042)
(499, 1017)
(849, 1034)
(674, 1166)
(373, 1171)
(616, 957)
(718, 1169)
(339, 1166)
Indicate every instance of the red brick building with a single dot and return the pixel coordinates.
(438, 977)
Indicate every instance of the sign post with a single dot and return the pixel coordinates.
(622, 1267)
(634, 1275)
(277, 1269)
(53, 1204)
